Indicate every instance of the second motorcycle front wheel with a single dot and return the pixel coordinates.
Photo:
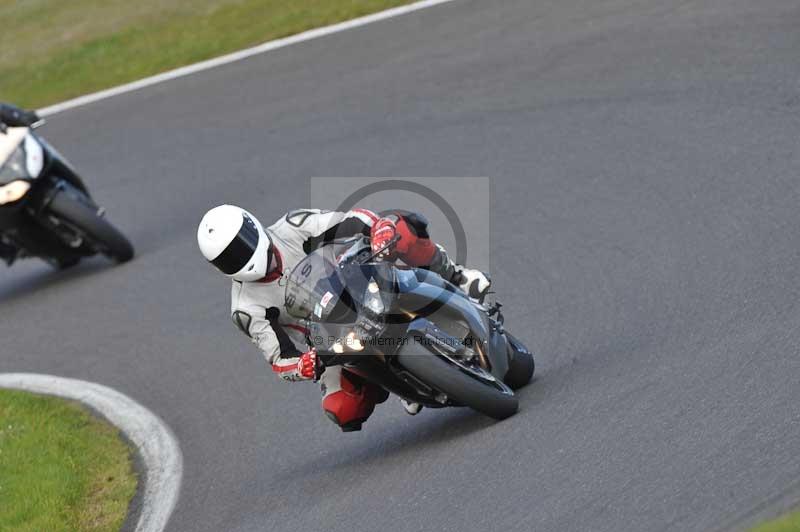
(78, 211)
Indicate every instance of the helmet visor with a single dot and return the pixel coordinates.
(240, 250)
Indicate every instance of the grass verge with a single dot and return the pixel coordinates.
(787, 523)
(61, 468)
(52, 50)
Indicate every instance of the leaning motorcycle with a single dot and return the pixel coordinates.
(407, 330)
(46, 211)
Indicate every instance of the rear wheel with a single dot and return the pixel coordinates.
(493, 399)
(520, 364)
(75, 209)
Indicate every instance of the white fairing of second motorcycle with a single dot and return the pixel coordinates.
(10, 140)
(34, 153)
(34, 156)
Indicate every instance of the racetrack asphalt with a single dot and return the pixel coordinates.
(646, 182)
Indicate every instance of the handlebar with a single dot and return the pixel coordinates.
(395, 239)
(11, 116)
(319, 367)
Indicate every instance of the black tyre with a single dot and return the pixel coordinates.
(67, 263)
(73, 208)
(455, 383)
(521, 365)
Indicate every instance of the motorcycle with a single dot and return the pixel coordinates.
(46, 211)
(407, 330)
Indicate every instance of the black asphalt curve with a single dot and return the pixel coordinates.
(645, 231)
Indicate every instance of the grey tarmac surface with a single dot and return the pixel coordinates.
(646, 173)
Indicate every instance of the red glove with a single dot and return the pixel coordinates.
(307, 365)
(382, 232)
(300, 368)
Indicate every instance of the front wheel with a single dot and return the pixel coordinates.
(455, 383)
(76, 210)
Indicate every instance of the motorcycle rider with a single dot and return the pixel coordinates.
(13, 116)
(255, 258)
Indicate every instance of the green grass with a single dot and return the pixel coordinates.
(787, 523)
(51, 50)
(61, 468)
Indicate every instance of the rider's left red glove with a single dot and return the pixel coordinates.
(381, 233)
(307, 365)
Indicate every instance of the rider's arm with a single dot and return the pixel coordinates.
(415, 246)
(261, 325)
(286, 360)
(317, 227)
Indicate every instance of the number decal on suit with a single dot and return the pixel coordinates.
(242, 320)
(299, 217)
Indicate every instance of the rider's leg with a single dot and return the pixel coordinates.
(347, 399)
(474, 283)
(412, 409)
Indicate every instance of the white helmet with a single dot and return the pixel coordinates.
(234, 241)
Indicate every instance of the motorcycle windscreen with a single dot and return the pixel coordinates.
(316, 291)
